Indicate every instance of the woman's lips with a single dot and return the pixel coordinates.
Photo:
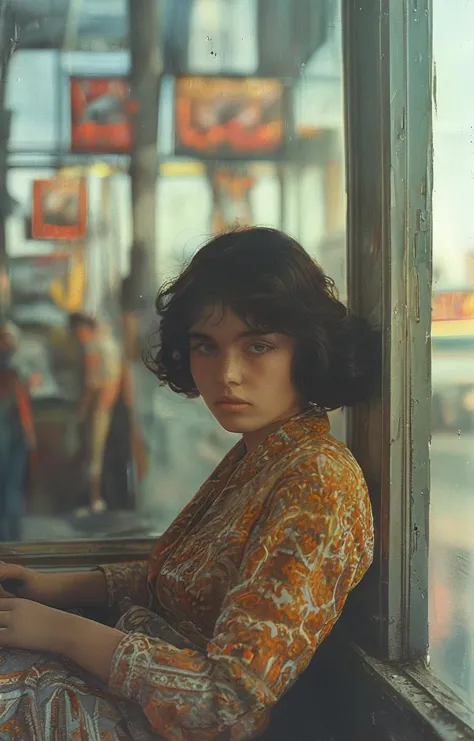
(233, 405)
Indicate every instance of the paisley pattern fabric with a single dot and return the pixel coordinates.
(234, 601)
(47, 699)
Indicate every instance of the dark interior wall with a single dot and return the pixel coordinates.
(356, 703)
(342, 698)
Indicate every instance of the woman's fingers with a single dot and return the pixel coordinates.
(9, 570)
(12, 586)
(11, 580)
(5, 618)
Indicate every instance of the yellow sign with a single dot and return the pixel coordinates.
(453, 306)
(69, 295)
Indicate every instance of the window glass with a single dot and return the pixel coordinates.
(452, 449)
(91, 225)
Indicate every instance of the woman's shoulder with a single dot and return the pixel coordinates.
(319, 485)
(321, 462)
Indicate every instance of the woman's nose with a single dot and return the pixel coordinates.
(231, 368)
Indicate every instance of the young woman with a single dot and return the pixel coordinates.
(252, 575)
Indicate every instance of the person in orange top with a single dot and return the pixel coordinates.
(17, 441)
(103, 375)
(251, 577)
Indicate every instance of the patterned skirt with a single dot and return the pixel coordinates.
(46, 698)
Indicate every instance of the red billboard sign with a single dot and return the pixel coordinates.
(59, 208)
(229, 118)
(102, 112)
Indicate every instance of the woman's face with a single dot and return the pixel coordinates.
(243, 376)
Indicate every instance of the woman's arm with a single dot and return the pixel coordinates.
(75, 589)
(32, 626)
(123, 585)
(118, 584)
(33, 622)
(89, 644)
(126, 584)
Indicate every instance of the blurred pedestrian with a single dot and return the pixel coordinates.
(18, 453)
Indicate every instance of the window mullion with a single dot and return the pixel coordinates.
(388, 123)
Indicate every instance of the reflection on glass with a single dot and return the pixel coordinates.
(116, 455)
(452, 459)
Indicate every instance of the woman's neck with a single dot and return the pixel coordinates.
(255, 438)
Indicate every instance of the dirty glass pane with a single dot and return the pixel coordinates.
(452, 450)
(106, 188)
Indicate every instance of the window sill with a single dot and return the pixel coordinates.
(416, 697)
(77, 553)
(440, 701)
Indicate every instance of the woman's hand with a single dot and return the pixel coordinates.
(16, 581)
(34, 627)
(29, 625)
(77, 589)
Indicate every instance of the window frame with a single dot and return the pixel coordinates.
(388, 87)
(77, 553)
(388, 70)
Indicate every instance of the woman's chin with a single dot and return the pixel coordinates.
(236, 424)
(233, 426)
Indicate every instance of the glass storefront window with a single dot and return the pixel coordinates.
(452, 456)
(76, 230)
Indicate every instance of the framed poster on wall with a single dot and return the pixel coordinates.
(238, 118)
(102, 113)
(59, 209)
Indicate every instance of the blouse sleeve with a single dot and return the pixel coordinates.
(306, 553)
(127, 584)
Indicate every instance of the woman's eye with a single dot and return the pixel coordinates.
(259, 348)
(204, 348)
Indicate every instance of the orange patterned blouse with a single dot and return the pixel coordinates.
(246, 582)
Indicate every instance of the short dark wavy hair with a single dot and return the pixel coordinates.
(272, 284)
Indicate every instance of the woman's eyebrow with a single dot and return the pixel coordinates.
(256, 333)
(198, 335)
